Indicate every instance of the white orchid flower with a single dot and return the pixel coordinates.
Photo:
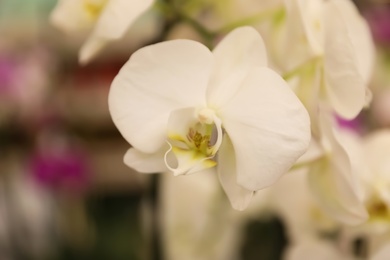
(108, 19)
(334, 173)
(333, 37)
(186, 109)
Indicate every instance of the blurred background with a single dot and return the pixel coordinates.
(64, 190)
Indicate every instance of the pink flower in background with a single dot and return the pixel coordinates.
(6, 75)
(379, 20)
(24, 78)
(60, 165)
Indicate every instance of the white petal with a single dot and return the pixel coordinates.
(91, 48)
(155, 81)
(269, 128)
(377, 151)
(146, 163)
(294, 203)
(344, 82)
(359, 32)
(187, 208)
(117, 16)
(313, 249)
(333, 191)
(296, 43)
(240, 51)
(238, 196)
(334, 183)
(314, 152)
(179, 123)
(114, 21)
(382, 254)
(309, 13)
(65, 9)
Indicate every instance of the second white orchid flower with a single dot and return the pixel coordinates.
(331, 39)
(108, 19)
(185, 109)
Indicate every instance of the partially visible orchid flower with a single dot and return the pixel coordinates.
(185, 109)
(333, 172)
(329, 41)
(191, 209)
(369, 157)
(108, 20)
(329, 66)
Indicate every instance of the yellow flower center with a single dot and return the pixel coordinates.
(194, 137)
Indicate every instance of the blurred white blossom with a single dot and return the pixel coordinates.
(108, 20)
(329, 44)
(197, 220)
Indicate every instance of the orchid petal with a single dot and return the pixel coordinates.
(91, 48)
(239, 197)
(382, 254)
(179, 123)
(313, 248)
(112, 24)
(155, 80)
(310, 15)
(268, 126)
(81, 19)
(296, 29)
(118, 15)
(360, 35)
(314, 152)
(146, 163)
(377, 150)
(240, 51)
(345, 84)
(333, 181)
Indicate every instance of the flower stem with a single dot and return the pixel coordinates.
(172, 12)
(207, 35)
(250, 20)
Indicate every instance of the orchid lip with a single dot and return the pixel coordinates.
(194, 137)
